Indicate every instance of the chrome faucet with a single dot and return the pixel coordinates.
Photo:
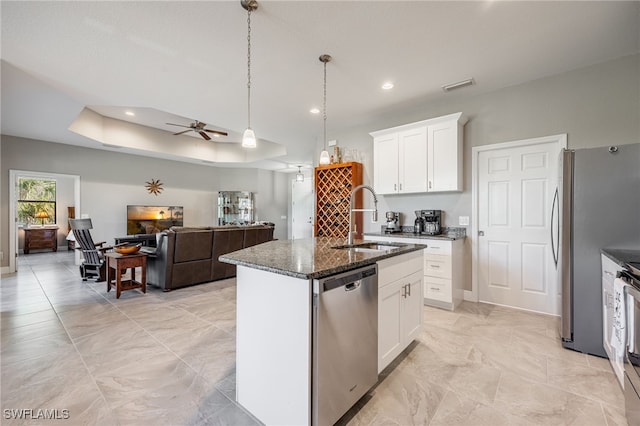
(352, 209)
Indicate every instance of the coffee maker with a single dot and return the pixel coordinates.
(393, 223)
(432, 221)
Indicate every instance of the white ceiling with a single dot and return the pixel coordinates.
(179, 60)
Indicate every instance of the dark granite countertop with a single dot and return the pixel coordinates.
(622, 256)
(450, 236)
(309, 258)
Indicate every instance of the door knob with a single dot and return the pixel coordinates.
(481, 233)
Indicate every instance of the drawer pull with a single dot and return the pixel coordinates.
(435, 289)
(434, 266)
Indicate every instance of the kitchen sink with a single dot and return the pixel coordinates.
(370, 247)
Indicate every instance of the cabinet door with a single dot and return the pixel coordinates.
(385, 164)
(444, 157)
(390, 335)
(413, 306)
(413, 160)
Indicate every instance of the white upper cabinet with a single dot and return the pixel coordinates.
(444, 157)
(412, 170)
(425, 156)
(385, 163)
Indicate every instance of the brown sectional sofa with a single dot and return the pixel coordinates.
(187, 256)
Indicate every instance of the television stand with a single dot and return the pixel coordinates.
(148, 240)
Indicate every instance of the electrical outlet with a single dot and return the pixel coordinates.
(333, 142)
(463, 220)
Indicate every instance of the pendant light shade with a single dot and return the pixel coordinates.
(324, 155)
(299, 176)
(249, 136)
(248, 139)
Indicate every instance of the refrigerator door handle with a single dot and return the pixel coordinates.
(554, 249)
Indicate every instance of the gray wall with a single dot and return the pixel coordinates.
(110, 180)
(596, 106)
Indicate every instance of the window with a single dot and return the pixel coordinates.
(36, 201)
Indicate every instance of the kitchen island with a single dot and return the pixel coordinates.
(275, 317)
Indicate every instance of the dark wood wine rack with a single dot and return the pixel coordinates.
(334, 183)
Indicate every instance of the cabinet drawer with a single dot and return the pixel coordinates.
(437, 247)
(394, 268)
(437, 289)
(437, 265)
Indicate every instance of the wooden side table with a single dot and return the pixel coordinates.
(40, 238)
(117, 263)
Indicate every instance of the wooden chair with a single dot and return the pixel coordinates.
(93, 253)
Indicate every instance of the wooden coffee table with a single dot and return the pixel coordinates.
(118, 263)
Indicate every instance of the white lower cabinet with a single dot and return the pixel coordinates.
(616, 357)
(444, 269)
(399, 304)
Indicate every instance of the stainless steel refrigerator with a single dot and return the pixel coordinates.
(597, 205)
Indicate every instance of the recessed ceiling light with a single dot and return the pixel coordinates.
(387, 86)
(314, 111)
(130, 113)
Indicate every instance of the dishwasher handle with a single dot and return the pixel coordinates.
(352, 286)
(348, 279)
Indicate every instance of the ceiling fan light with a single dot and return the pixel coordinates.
(249, 139)
(324, 158)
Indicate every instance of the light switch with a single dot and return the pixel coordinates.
(333, 142)
(463, 220)
(283, 217)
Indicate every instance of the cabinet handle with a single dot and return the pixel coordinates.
(404, 291)
(429, 184)
(409, 289)
(400, 187)
(434, 266)
(395, 187)
(435, 289)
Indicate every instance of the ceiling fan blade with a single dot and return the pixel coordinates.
(218, 132)
(204, 135)
(180, 125)
(184, 131)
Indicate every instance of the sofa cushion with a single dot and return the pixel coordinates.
(188, 273)
(195, 245)
(225, 241)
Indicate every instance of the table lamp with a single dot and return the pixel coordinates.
(42, 215)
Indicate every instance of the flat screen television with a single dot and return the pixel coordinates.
(153, 219)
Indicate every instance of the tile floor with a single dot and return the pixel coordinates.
(169, 359)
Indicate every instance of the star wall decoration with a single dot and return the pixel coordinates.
(154, 187)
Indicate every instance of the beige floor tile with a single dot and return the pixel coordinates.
(169, 358)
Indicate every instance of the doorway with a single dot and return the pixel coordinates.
(301, 209)
(14, 175)
(513, 190)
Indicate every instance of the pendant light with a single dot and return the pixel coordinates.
(324, 155)
(249, 137)
(299, 176)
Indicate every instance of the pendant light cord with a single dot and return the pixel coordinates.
(249, 66)
(324, 107)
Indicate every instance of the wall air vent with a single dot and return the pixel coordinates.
(458, 85)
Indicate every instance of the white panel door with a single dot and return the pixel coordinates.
(515, 195)
(413, 161)
(302, 209)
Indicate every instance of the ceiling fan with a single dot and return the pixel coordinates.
(198, 127)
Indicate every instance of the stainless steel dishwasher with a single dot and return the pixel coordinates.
(345, 342)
